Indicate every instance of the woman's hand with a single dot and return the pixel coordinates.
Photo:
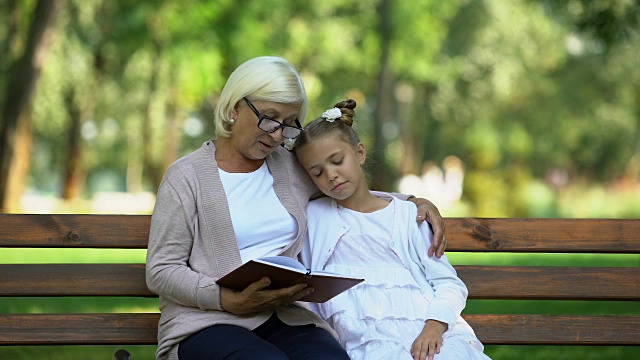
(428, 211)
(255, 297)
(429, 342)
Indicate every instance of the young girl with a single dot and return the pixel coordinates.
(409, 305)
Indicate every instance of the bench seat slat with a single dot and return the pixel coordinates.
(484, 282)
(140, 329)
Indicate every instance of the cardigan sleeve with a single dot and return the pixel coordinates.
(171, 238)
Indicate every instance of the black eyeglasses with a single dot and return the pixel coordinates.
(270, 125)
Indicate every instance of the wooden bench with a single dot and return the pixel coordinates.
(541, 282)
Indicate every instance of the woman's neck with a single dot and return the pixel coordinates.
(231, 160)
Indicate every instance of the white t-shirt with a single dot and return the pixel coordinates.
(262, 225)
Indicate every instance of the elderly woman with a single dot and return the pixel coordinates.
(239, 197)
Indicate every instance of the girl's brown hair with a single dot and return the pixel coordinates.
(321, 126)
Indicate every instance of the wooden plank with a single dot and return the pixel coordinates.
(551, 282)
(555, 329)
(463, 234)
(73, 280)
(140, 329)
(75, 231)
(544, 235)
(79, 329)
(484, 282)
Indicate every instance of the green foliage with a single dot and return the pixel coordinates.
(516, 89)
(539, 98)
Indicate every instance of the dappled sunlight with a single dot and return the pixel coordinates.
(595, 201)
(555, 197)
(441, 185)
(126, 203)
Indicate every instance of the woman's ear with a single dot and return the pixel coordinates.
(233, 114)
(361, 152)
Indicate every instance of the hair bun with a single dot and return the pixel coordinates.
(347, 108)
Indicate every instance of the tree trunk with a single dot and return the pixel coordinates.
(19, 169)
(382, 176)
(73, 177)
(427, 144)
(172, 135)
(23, 77)
(80, 110)
(151, 166)
(82, 107)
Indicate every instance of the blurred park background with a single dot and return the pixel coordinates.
(491, 108)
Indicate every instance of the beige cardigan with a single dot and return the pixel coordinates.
(192, 243)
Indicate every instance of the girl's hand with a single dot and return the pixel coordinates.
(255, 297)
(428, 211)
(429, 342)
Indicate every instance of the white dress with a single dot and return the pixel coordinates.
(381, 317)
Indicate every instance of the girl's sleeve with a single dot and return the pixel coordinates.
(450, 293)
(170, 243)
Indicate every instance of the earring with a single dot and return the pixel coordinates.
(232, 120)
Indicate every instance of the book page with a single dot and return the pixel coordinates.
(329, 273)
(284, 261)
(293, 264)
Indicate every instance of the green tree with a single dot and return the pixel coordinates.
(24, 73)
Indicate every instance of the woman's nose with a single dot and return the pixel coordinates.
(277, 135)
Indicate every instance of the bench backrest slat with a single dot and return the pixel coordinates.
(464, 234)
(544, 235)
(140, 329)
(79, 329)
(74, 231)
(600, 236)
(484, 282)
(73, 280)
(555, 329)
(551, 282)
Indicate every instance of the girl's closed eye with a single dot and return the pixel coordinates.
(336, 159)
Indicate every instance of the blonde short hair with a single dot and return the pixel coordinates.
(266, 78)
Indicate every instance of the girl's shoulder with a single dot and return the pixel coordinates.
(405, 208)
(321, 205)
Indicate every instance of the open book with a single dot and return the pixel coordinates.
(284, 272)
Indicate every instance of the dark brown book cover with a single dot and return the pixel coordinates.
(325, 285)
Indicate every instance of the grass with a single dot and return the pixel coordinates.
(74, 352)
(113, 304)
